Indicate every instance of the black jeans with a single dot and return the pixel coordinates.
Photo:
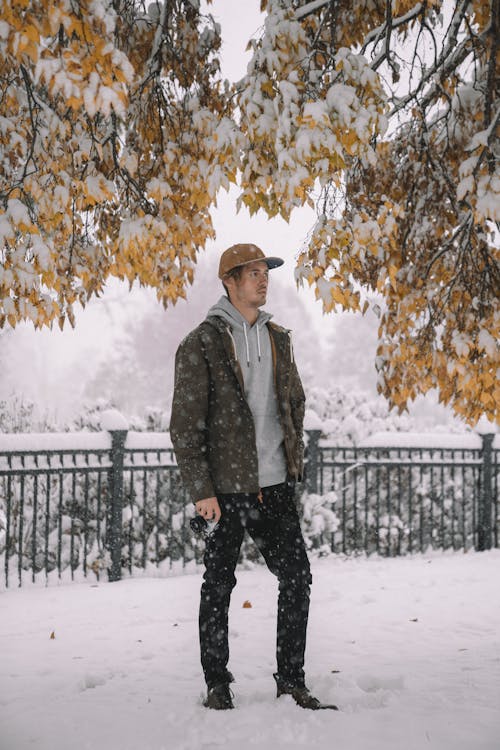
(275, 528)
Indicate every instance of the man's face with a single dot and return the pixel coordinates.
(250, 290)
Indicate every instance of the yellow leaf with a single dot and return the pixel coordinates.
(338, 295)
(485, 398)
(487, 379)
(392, 276)
(73, 102)
(32, 33)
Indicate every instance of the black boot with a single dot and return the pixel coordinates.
(220, 696)
(301, 696)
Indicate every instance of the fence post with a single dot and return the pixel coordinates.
(312, 465)
(114, 511)
(486, 496)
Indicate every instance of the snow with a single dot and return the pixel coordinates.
(312, 421)
(427, 440)
(309, 8)
(408, 648)
(54, 441)
(112, 419)
(149, 441)
(485, 426)
(18, 212)
(153, 441)
(72, 442)
(488, 192)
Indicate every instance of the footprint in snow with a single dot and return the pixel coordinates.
(90, 681)
(371, 684)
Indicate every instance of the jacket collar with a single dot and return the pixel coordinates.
(224, 328)
(279, 338)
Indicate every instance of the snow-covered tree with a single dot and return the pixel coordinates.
(117, 132)
(114, 143)
(392, 108)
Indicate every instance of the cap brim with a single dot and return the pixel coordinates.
(271, 262)
(274, 262)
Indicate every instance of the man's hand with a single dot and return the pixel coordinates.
(209, 508)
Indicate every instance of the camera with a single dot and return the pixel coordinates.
(201, 527)
(198, 525)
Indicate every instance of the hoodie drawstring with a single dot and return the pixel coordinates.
(228, 329)
(246, 342)
(291, 346)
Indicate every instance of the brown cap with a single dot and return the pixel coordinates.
(240, 255)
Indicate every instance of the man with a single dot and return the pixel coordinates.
(236, 427)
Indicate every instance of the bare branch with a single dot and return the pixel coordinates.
(444, 68)
(377, 34)
(492, 77)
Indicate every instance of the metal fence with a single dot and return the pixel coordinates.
(117, 505)
(398, 500)
(102, 509)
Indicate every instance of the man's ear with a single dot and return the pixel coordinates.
(230, 283)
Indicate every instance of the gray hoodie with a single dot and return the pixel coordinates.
(253, 351)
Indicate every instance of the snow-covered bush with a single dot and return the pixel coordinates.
(348, 416)
(19, 414)
(319, 520)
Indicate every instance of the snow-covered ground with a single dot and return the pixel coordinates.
(409, 648)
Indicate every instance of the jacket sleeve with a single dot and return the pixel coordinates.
(297, 402)
(188, 424)
(297, 405)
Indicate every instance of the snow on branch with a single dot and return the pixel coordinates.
(306, 10)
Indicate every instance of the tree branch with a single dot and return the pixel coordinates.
(310, 8)
(491, 79)
(452, 62)
(31, 102)
(377, 34)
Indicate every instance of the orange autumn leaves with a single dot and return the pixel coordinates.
(117, 133)
(115, 142)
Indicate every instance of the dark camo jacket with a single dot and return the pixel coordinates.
(212, 427)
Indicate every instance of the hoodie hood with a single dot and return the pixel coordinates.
(224, 309)
(239, 328)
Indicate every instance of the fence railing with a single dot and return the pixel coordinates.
(112, 502)
(404, 499)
